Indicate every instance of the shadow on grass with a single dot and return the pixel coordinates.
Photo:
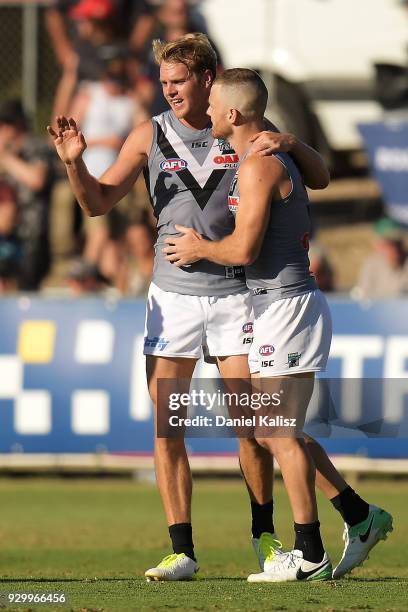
(125, 579)
(379, 579)
(200, 580)
(138, 579)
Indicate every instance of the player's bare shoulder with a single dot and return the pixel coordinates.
(139, 141)
(260, 169)
(132, 157)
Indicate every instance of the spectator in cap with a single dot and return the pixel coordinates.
(132, 22)
(384, 274)
(84, 278)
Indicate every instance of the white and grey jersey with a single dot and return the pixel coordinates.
(282, 267)
(188, 176)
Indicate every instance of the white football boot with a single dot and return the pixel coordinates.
(361, 538)
(290, 566)
(173, 567)
(266, 547)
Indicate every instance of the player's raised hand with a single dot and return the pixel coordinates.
(266, 143)
(68, 140)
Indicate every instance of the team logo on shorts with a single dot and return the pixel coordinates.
(248, 328)
(293, 359)
(224, 146)
(266, 349)
(156, 342)
(174, 164)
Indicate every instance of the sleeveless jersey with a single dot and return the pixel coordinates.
(282, 266)
(188, 176)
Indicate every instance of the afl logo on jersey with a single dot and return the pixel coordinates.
(174, 164)
(266, 350)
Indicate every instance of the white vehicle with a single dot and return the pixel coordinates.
(316, 56)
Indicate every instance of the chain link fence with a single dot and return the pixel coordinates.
(28, 69)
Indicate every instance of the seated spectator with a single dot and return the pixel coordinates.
(8, 210)
(140, 238)
(10, 254)
(84, 278)
(321, 268)
(385, 273)
(26, 165)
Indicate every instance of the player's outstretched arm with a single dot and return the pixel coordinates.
(258, 181)
(311, 164)
(97, 197)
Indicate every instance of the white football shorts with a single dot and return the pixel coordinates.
(183, 325)
(291, 336)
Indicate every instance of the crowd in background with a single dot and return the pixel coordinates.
(109, 83)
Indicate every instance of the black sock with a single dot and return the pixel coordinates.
(181, 536)
(308, 540)
(262, 518)
(352, 508)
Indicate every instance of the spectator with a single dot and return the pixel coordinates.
(98, 37)
(385, 273)
(321, 268)
(129, 21)
(25, 164)
(84, 278)
(140, 238)
(106, 112)
(174, 19)
(9, 244)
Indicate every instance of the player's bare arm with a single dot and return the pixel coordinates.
(259, 182)
(310, 163)
(97, 197)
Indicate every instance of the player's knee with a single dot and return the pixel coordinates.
(279, 446)
(248, 445)
(263, 443)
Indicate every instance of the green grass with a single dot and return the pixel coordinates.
(94, 539)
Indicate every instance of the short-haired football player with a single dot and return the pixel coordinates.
(291, 323)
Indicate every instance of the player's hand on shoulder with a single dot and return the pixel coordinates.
(266, 143)
(69, 141)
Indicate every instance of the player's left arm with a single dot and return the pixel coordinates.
(311, 164)
(258, 181)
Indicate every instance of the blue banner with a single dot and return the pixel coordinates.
(387, 147)
(72, 376)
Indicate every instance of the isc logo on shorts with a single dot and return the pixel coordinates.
(266, 349)
(173, 165)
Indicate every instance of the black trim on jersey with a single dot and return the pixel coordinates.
(201, 194)
(146, 176)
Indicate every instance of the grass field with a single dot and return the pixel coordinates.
(94, 539)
